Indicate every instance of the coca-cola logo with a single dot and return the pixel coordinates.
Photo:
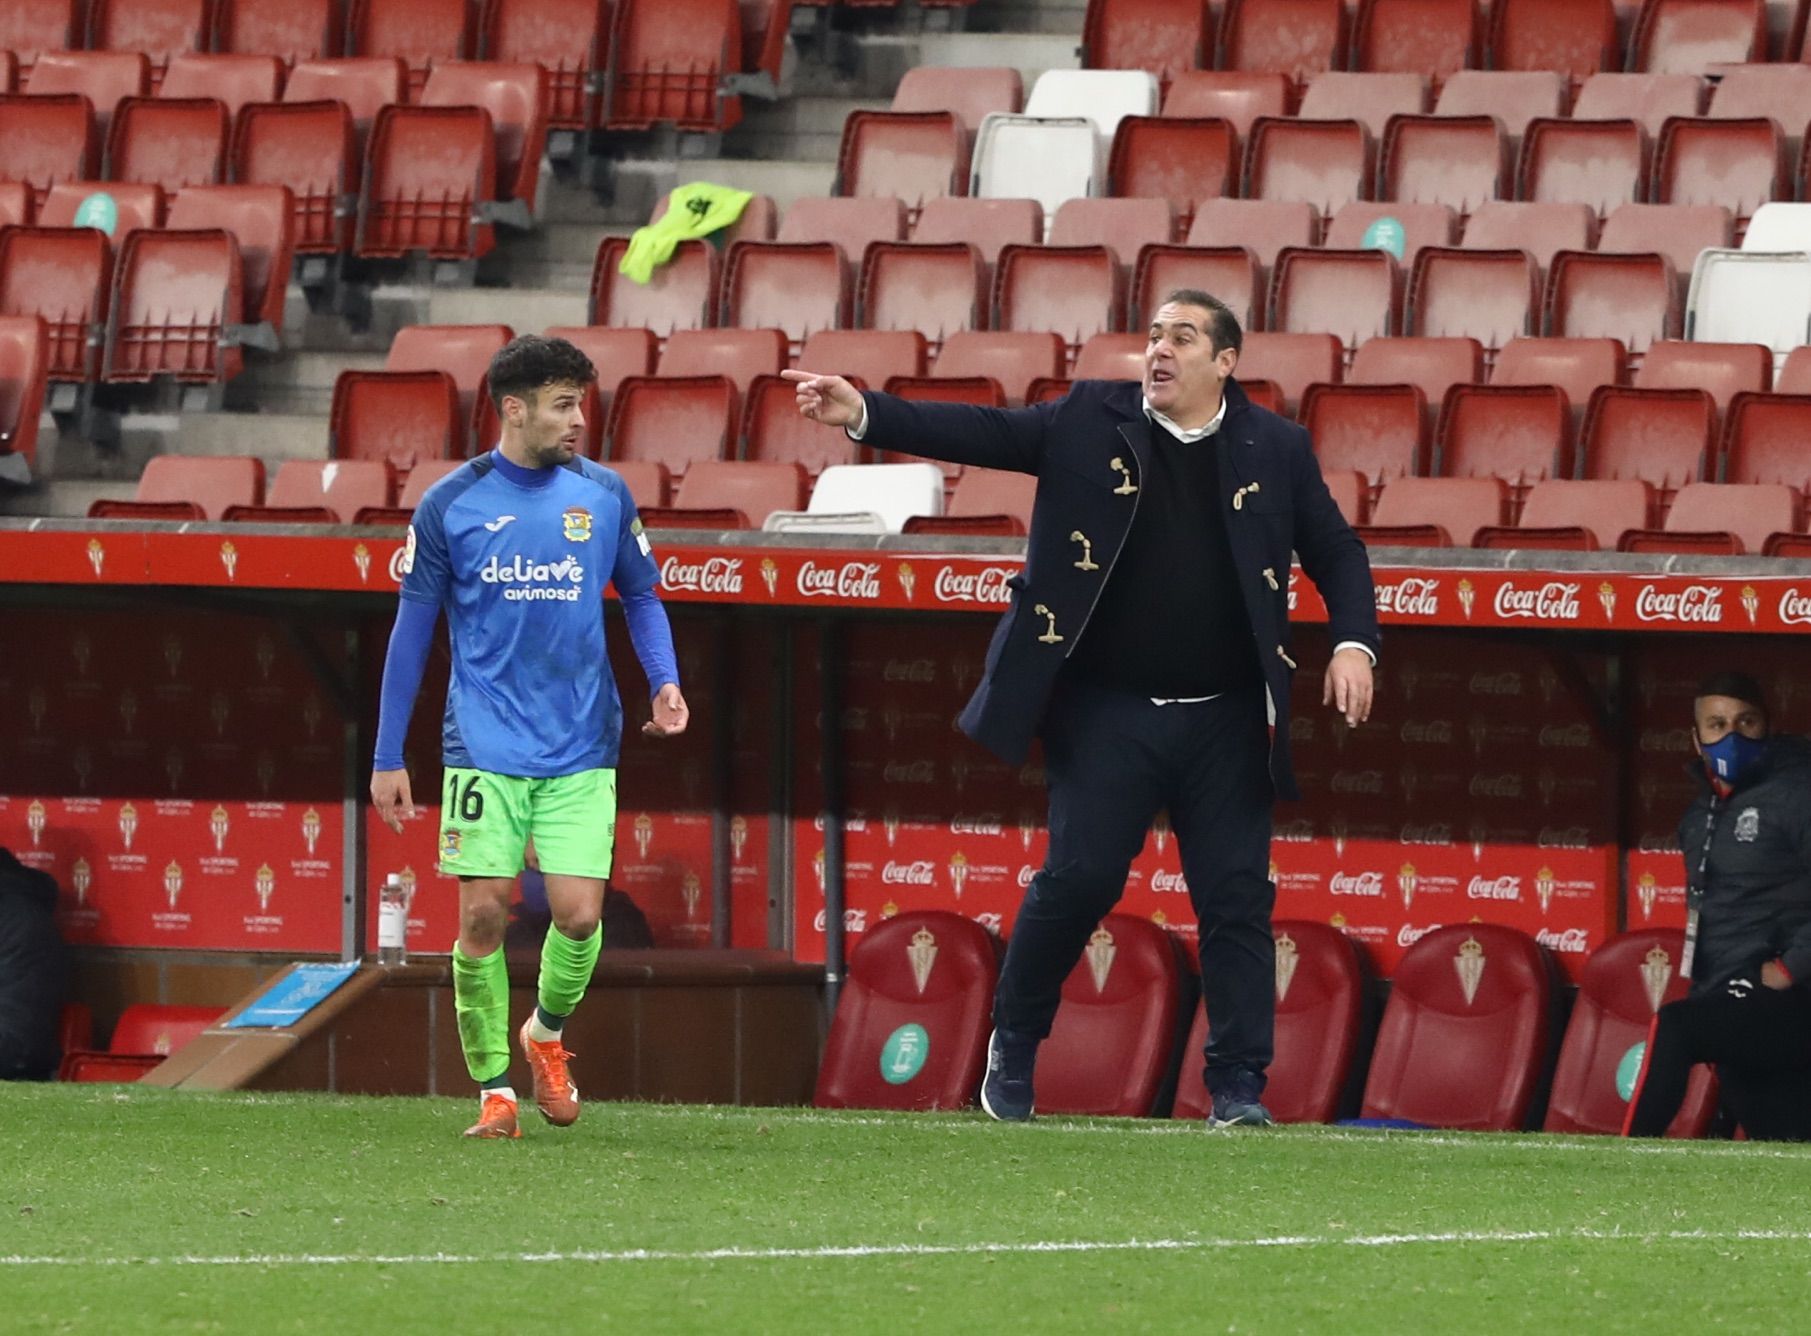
(854, 920)
(986, 586)
(1795, 608)
(1678, 740)
(1026, 873)
(1494, 888)
(1554, 601)
(713, 575)
(987, 823)
(992, 921)
(1564, 837)
(1657, 844)
(917, 873)
(1355, 883)
(909, 670)
(1408, 934)
(1430, 733)
(1506, 785)
(1414, 597)
(1357, 781)
(1435, 832)
(1496, 684)
(1692, 605)
(1298, 831)
(852, 579)
(1570, 941)
(1565, 735)
(1169, 883)
(910, 772)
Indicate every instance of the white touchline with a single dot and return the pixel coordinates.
(834, 1252)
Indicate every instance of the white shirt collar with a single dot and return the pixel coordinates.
(1197, 434)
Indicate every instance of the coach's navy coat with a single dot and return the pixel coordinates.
(1088, 451)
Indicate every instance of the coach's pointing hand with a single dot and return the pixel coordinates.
(830, 400)
(390, 795)
(670, 714)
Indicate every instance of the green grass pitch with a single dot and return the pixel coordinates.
(134, 1210)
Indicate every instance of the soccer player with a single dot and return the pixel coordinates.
(517, 547)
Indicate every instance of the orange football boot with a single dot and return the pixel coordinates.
(554, 1094)
(496, 1120)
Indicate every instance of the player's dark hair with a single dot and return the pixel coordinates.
(531, 362)
(1737, 686)
(1222, 325)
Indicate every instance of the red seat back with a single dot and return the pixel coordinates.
(1630, 298)
(162, 29)
(103, 77)
(1078, 291)
(1292, 362)
(262, 220)
(291, 30)
(419, 32)
(968, 93)
(404, 417)
(1263, 227)
(1115, 1031)
(569, 41)
(1723, 370)
(344, 486)
(177, 294)
(672, 420)
(1662, 437)
(916, 156)
(1739, 164)
(1352, 294)
(682, 294)
(134, 205)
(1575, 37)
(234, 81)
(1111, 357)
(849, 221)
(24, 350)
(934, 289)
(911, 1025)
(65, 276)
(366, 84)
(669, 57)
(986, 224)
(1162, 36)
(1013, 359)
(1183, 160)
(1461, 161)
(171, 142)
(1287, 37)
(464, 352)
(516, 98)
(307, 148)
(740, 354)
(1600, 163)
(1540, 229)
(1519, 433)
(1466, 1031)
(1235, 96)
(428, 169)
(1381, 431)
(1752, 511)
(1491, 296)
(748, 491)
(150, 1028)
(1604, 510)
(873, 356)
(797, 288)
(1764, 438)
(1432, 37)
(44, 140)
(1458, 506)
(1690, 36)
(26, 29)
(211, 482)
(1323, 163)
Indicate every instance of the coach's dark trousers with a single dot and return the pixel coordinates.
(1760, 1040)
(1113, 761)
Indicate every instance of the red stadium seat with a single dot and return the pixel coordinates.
(424, 475)
(800, 288)
(569, 41)
(1234, 96)
(669, 58)
(463, 352)
(1739, 164)
(1436, 512)
(134, 205)
(24, 350)
(1625, 982)
(233, 81)
(343, 487)
(64, 276)
(1419, 225)
(366, 84)
(1599, 163)
(1564, 514)
(984, 501)
(516, 98)
(934, 289)
(1723, 369)
(1372, 100)
(421, 33)
(1457, 160)
(672, 420)
(1466, 1032)
(1432, 366)
(429, 171)
(740, 354)
(649, 484)
(1677, 231)
(911, 1026)
(35, 26)
(1539, 229)
(615, 353)
(849, 223)
(758, 222)
(1323, 163)
(1491, 296)
(261, 219)
(1662, 437)
(1123, 226)
(1115, 1031)
(1764, 439)
(1630, 298)
(872, 356)
(15, 204)
(1513, 98)
(1263, 227)
(1692, 36)
(309, 148)
(1575, 37)
(986, 224)
(1733, 517)
(1519, 433)
(160, 1029)
(1078, 291)
(403, 417)
(178, 309)
(1182, 160)
(103, 77)
(1353, 294)
(1431, 37)
(1320, 1002)
(1291, 362)
(162, 29)
(1576, 366)
(1297, 38)
(1378, 431)
(1012, 359)
(169, 142)
(1229, 272)
(777, 434)
(969, 94)
(211, 484)
(291, 30)
(1111, 357)
(44, 140)
(1779, 91)
(1795, 376)
(731, 494)
(1648, 99)
(915, 156)
(1165, 37)
(681, 295)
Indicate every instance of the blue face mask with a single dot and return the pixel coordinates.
(1732, 755)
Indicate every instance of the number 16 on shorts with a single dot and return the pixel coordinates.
(461, 812)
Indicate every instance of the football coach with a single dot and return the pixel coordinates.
(1147, 644)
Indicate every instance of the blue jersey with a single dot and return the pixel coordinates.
(521, 571)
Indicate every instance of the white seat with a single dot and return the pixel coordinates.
(1103, 96)
(865, 499)
(1740, 296)
(1779, 227)
(1051, 161)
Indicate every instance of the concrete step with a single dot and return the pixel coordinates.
(784, 180)
(525, 310)
(272, 436)
(63, 498)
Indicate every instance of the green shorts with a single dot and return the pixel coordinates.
(486, 820)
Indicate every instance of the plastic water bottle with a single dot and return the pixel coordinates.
(393, 922)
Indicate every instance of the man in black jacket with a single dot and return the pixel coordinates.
(1747, 846)
(1148, 646)
(33, 972)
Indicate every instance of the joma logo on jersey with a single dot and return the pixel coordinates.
(577, 522)
(535, 581)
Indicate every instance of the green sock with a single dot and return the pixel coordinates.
(481, 1002)
(566, 968)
